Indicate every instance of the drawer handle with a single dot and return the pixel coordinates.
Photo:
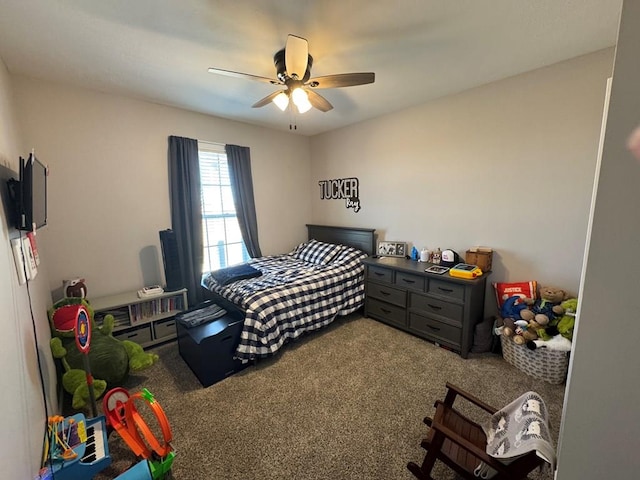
(380, 274)
(448, 290)
(382, 292)
(133, 335)
(435, 307)
(408, 281)
(433, 328)
(384, 310)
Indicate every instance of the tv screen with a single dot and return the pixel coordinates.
(30, 194)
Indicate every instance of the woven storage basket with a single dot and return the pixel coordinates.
(548, 365)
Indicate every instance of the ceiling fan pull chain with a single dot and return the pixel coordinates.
(292, 117)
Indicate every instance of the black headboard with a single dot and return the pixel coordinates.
(361, 238)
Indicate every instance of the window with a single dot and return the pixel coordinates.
(223, 244)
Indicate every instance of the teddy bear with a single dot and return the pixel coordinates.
(513, 323)
(512, 330)
(545, 308)
(520, 331)
(110, 359)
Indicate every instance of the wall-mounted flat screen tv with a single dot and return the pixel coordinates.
(30, 194)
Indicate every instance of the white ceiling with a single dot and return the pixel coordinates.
(159, 50)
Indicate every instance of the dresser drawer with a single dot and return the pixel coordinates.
(435, 330)
(410, 281)
(387, 294)
(140, 335)
(387, 313)
(452, 290)
(165, 329)
(380, 274)
(436, 306)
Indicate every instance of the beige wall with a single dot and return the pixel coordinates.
(109, 195)
(509, 165)
(520, 155)
(23, 423)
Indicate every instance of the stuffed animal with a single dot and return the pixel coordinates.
(75, 288)
(512, 322)
(512, 307)
(559, 326)
(567, 321)
(110, 359)
(74, 380)
(548, 331)
(556, 343)
(520, 331)
(545, 308)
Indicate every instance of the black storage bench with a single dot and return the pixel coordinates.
(208, 348)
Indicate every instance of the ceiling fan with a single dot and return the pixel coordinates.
(293, 66)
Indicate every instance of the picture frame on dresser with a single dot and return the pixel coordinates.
(392, 249)
(437, 269)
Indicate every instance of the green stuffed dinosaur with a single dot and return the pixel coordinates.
(563, 324)
(110, 359)
(567, 322)
(74, 380)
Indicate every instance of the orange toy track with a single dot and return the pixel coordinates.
(121, 414)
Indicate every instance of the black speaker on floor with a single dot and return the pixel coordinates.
(171, 260)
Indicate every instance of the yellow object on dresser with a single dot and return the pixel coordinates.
(464, 270)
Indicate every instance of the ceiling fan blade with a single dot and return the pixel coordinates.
(266, 100)
(318, 101)
(342, 80)
(296, 53)
(229, 73)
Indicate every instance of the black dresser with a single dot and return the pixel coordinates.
(439, 308)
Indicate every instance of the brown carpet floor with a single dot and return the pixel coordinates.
(346, 402)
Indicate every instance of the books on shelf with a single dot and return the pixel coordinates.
(158, 306)
(149, 320)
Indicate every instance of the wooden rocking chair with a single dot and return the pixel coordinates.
(461, 443)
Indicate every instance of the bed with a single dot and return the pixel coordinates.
(298, 292)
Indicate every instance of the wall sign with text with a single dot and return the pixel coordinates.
(347, 189)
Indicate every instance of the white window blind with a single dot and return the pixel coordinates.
(223, 245)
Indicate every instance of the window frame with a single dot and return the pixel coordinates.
(225, 257)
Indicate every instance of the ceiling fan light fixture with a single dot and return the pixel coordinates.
(281, 100)
(301, 100)
(293, 71)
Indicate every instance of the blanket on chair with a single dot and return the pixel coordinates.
(517, 429)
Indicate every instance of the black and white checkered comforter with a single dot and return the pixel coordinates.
(292, 297)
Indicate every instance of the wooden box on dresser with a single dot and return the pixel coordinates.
(439, 308)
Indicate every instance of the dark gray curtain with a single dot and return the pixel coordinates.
(239, 160)
(186, 212)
